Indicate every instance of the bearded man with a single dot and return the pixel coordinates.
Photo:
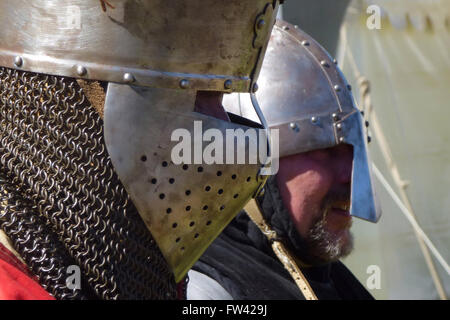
(288, 243)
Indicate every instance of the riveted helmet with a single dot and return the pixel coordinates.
(90, 93)
(304, 95)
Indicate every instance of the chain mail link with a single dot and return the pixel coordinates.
(61, 202)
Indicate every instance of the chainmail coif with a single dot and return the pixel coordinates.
(62, 204)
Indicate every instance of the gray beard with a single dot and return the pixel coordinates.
(324, 247)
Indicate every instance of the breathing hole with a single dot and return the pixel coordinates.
(207, 188)
(191, 224)
(233, 176)
(219, 173)
(162, 196)
(222, 207)
(165, 164)
(200, 169)
(154, 181)
(188, 192)
(248, 179)
(205, 208)
(220, 191)
(196, 236)
(144, 158)
(171, 180)
(174, 225)
(236, 195)
(188, 208)
(169, 210)
(208, 222)
(185, 166)
(178, 240)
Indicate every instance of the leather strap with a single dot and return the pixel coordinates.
(254, 212)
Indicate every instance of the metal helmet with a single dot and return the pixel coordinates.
(303, 93)
(154, 56)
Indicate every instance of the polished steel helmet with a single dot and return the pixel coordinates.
(155, 56)
(304, 95)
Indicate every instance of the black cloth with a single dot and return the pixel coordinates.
(242, 261)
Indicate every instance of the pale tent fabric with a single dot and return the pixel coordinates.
(407, 65)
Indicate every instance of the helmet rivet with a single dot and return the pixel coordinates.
(337, 88)
(324, 63)
(305, 43)
(18, 61)
(341, 140)
(335, 61)
(81, 71)
(339, 126)
(294, 126)
(285, 28)
(349, 87)
(367, 123)
(335, 116)
(255, 87)
(296, 26)
(369, 139)
(261, 23)
(314, 120)
(228, 84)
(128, 78)
(184, 84)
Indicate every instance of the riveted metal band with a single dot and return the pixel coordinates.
(198, 45)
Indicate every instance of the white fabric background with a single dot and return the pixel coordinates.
(408, 64)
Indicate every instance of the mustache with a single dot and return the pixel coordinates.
(335, 196)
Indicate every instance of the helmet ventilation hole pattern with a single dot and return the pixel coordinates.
(188, 197)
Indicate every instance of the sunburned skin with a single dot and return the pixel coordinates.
(315, 188)
(210, 103)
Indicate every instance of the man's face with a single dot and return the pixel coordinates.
(315, 188)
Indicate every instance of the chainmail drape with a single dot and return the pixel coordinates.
(61, 202)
